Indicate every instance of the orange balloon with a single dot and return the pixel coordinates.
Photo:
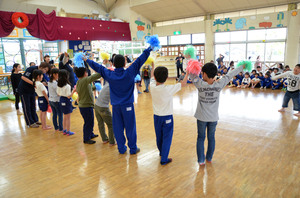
(294, 13)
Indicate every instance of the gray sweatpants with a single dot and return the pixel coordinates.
(103, 115)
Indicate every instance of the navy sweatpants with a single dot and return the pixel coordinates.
(28, 104)
(164, 132)
(88, 126)
(124, 117)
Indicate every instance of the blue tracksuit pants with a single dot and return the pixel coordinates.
(88, 126)
(164, 132)
(124, 118)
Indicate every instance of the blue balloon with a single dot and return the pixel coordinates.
(98, 86)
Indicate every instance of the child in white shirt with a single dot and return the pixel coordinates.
(43, 100)
(65, 93)
(246, 81)
(255, 81)
(162, 101)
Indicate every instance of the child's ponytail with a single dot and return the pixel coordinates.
(15, 66)
(36, 73)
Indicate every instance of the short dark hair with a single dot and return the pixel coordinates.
(45, 65)
(276, 69)
(267, 74)
(119, 61)
(247, 73)
(231, 63)
(258, 67)
(253, 71)
(46, 56)
(210, 69)
(79, 71)
(298, 65)
(161, 74)
(53, 71)
(31, 63)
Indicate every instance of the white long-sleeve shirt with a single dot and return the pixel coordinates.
(293, 80)
(246, 80)
(64, 91)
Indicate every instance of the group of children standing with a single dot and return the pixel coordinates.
(118, 89)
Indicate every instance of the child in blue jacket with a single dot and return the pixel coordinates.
(121, 83)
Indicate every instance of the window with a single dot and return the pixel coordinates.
(179, 21)
(254, 50)
(163, 40)
(257, 35)
(268, 44)
(12, 53)
(222, 49)
(276, 33)
(281, 8)
(247, 12)
(198, 38)
(180, 39)
(237, 52)
(238, 36)
(32, 51)
(222, 37)
(275, 51)
(265, 10)
(231, 14)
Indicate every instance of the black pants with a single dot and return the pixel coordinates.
(29, 110)
(17, 100)
(179, 67)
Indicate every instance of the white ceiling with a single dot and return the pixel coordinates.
(162, 10)
(106, 4)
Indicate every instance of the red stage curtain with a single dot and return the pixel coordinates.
(50, 27)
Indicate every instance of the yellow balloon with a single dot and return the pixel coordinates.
(75, 96)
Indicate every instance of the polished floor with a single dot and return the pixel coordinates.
(257, 154)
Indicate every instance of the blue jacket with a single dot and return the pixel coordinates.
(121, 81)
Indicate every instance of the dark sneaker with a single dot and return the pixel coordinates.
(137, 151)
(167, 162)
(94, 136)
(89, 142)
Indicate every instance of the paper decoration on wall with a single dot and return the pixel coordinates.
(218, 22)
(14, 33)
(280, 17)
(294, 13)
(149, 29)
(265, 24)
(253, 17)
(240, 23)
(26, 33)
(251, 28)
(266, 18)
(140, 27)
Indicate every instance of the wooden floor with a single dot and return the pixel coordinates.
(257, 154)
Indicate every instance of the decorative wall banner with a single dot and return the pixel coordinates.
(50, 27)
